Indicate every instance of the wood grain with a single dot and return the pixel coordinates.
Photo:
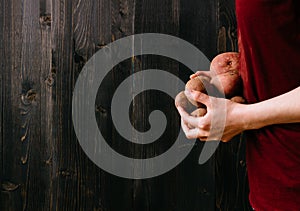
(43, 47)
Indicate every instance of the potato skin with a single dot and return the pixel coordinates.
(227, 79)
(182, 101)
(225, 62)
(199, 112)
(238, 99)
(229, 83)
(200, 84)
(197, 84)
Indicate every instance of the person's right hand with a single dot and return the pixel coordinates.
(217, 108)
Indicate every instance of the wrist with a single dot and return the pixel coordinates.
(255, 117)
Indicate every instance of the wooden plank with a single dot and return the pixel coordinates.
(120, 19)
(231, 174)
(4, 25)
(2, 82)
(64, 171)
(10, 157)
(34, 147)
(198, 26)
(24, 146)
(47, 104)
(102, 24)
(157, 193)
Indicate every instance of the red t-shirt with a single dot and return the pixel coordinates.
(269, 41)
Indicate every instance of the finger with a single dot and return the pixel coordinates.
(189, 133)
(198, 97)
(195, 122)
(198, 73)
(192, 133)
(184, 126)
(194, 75)
(182, 112)
(190, 120)
(202, 138)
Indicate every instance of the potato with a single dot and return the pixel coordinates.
(225, 62)
(227, 79)
(182, 100)
(201, 84)
(238, 99)
(229, 83)
(199, 112)
(198, 84)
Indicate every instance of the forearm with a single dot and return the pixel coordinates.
(278, 110)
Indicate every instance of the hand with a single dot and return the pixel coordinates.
(200, 127)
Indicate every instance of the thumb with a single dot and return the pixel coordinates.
(201, 73)
(198, 97)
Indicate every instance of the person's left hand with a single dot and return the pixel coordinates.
(200, 127)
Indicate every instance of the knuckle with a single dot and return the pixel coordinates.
(200, 124)
(225, 140)
(198, 96)
(203, 134)
(188, 136)
(203, 126)
(202, 138)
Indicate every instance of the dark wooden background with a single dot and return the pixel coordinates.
(44, 45)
